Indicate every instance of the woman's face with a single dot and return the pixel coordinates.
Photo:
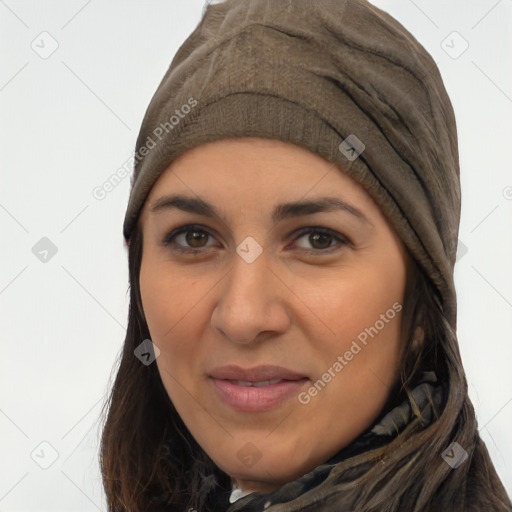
(277, 314)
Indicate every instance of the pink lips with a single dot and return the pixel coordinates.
(255, 389)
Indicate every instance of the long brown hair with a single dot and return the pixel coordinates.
(150, 461)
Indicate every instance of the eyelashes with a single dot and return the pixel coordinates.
(170, 239)
(177, 240)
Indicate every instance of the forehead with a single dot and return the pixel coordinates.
(248, 175)
(255, 164)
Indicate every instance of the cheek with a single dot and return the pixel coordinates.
(359, 300)
(364, 317)
(163, 306)
(174, 309)
(359, 365)
(157, 301)
(167, 296)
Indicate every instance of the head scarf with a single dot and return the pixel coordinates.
(339, 77)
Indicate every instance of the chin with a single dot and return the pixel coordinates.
(266, 469)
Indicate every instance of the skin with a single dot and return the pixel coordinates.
(299, 305)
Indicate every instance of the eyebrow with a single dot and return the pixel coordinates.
(281, 211)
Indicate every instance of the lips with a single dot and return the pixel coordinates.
(257, 384)
(255, 389)
(255, 374)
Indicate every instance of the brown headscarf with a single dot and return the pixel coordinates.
(315, 73)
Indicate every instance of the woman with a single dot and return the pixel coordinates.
(292, 232)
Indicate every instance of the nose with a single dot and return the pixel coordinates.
(252, 301)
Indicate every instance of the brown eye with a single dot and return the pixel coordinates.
(320, 239)
(196, 237)
(188, 239)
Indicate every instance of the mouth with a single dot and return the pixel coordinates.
(255, 389)
(258, 384)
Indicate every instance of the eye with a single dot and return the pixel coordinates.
(320, 239)
(193, 239)
(188, 239)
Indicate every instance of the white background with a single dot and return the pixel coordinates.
(71, 120)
